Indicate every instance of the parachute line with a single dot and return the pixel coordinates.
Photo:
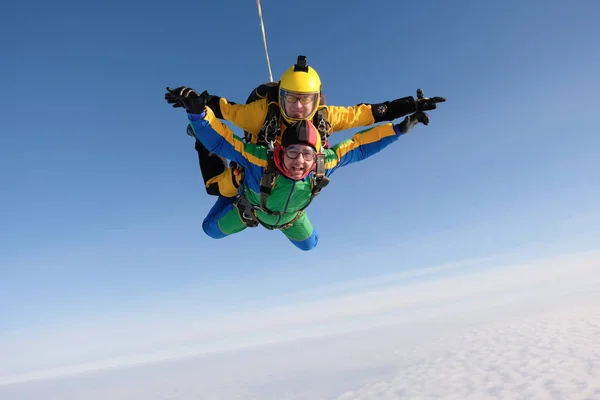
(262, 26)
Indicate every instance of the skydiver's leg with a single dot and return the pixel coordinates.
(219, 179)
(302, 234)
(226, 183)
(223, 219)
(210, 167)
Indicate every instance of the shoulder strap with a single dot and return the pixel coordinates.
(323, 125)
(270, 129)
(320, 180)
(267, 181)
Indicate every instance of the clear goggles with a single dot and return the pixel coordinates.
(294, 152)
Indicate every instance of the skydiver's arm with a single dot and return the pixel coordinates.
(363, 145)
(342, 118)
(219, 139)
(249, 117)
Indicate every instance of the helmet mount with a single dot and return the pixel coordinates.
(301, 64)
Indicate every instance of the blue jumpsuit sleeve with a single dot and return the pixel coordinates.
(220, 139)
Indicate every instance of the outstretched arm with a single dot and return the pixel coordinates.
(249, 117)
(342, 118)
(213, 134)
(219, 139)
(363, 145)
(369, 142)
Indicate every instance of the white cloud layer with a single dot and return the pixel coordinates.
(524, 331)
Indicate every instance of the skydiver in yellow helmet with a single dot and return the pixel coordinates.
(272, 107)
(299, 92)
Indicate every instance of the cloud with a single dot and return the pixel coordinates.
(552, 356)
(141, 338)
(545, 347)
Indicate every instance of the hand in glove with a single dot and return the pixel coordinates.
(188, 98)
(410, 121)
(427, 103)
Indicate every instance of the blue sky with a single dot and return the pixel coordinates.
(102, 201)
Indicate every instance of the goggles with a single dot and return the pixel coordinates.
(304, 99)
(294, 152)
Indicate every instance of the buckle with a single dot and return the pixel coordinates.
(246, 211)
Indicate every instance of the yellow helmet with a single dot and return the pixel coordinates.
(299, 83)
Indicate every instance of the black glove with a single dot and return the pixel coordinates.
(427, 103)
(412, 120)
(188, 98)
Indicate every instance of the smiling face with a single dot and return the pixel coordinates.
(298, 160)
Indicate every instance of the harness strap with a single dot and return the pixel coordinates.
(246, 211)
(267, 181)
(323, 125)
(289, 224)
(248, 215)
(270, 130)
(319, 180)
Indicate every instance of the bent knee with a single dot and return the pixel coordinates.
(211, 228)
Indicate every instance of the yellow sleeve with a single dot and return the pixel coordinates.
(342, 118)
(249, 117)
